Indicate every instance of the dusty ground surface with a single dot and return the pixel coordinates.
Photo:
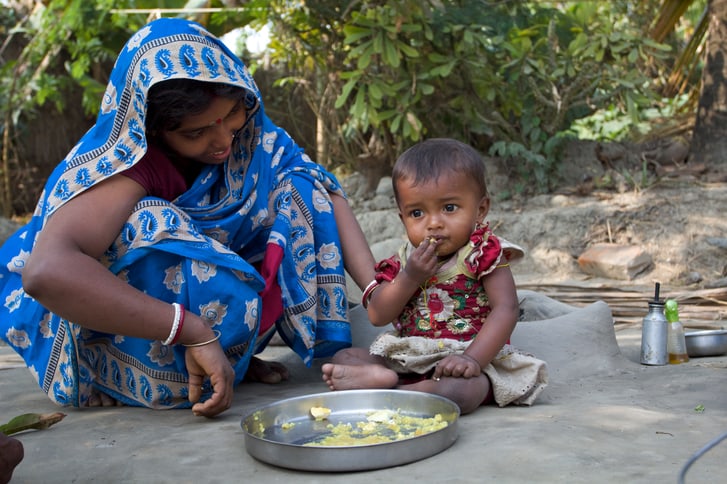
(675, 213)
(603, 417)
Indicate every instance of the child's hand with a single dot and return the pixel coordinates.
(422, 263)
(457, 366)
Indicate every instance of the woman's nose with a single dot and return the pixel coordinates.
(223, 135)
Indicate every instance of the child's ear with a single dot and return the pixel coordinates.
(484, 208)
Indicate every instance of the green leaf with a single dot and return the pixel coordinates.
(365, 60)
(355, 33)
(345, 92)
(407, 50)
(391, 55)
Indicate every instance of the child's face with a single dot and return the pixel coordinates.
(207, 137)
(446, 209)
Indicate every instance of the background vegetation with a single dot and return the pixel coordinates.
(356, 82)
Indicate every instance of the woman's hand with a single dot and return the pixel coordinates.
(457, 366)
(209, 360)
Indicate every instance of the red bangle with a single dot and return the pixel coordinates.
(181, 323)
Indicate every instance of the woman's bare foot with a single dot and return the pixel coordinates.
(352, 377)
(100, 399)
(266, 371)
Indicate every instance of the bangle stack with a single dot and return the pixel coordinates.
(176, 325)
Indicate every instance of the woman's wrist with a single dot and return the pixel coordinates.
(195, 331)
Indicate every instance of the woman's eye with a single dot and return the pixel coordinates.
(236, 109)
(193, 134)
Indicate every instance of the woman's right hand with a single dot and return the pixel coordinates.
(209, 360)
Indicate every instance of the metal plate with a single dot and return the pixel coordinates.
(268, 441)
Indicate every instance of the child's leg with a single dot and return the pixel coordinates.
(467, 393)
(356, 368)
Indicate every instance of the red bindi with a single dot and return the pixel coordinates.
(219, 121)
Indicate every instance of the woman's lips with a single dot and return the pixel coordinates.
(221, 155)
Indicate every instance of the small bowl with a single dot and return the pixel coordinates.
(711, 342)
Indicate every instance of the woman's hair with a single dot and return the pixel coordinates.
(169, 102)
(428, 160)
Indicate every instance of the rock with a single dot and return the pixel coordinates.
(380, 225)
(614, 261)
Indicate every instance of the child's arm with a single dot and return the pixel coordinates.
(501, 321)
(389, 298)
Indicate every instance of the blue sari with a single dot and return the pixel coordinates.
(252, 246)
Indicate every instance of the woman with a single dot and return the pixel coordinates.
(176, 237)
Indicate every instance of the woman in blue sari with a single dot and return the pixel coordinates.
(176, 237)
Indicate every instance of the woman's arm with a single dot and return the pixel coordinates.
(63, 273)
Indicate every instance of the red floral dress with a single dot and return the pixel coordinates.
(452, 304)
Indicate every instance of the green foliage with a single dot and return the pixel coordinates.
(362, 80)
(517, 73)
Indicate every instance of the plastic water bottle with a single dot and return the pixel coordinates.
(654, 333)
(676, 344)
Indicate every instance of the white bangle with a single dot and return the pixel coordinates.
(366, 296)
(175, 325)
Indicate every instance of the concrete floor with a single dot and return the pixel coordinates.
(603, 418)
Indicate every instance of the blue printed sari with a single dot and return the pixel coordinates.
(251, 246)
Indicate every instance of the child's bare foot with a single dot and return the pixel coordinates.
(352, 377)
(266, 371)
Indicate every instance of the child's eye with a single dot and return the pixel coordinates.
(416, 213)
(450, 207)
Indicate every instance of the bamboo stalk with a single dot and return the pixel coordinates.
(702, 309)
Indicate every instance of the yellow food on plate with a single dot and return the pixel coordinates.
(381, 426)
(320, 413)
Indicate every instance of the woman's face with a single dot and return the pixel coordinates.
(446, 209)
(207, 137)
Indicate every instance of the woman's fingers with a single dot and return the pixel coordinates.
(209, 361)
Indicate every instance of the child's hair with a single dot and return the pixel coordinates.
(169, 102)
(428, 160)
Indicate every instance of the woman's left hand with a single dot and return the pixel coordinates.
(457, 366)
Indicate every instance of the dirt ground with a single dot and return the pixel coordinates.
(676, 213)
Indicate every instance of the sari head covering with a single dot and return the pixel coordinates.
(251, 246)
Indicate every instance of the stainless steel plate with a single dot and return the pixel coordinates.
(277, 433)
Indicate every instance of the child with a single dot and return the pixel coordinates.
(449, 293)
